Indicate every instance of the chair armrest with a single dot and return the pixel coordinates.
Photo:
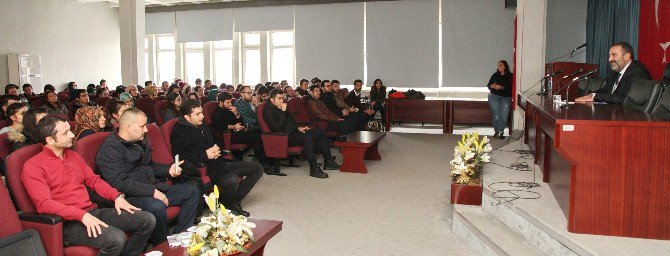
(50, 228)
(40, 218)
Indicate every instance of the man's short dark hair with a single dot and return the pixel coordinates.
(274, 93)
(47, 126)
(13, 109)
(263, 90)
(244, 87)
(313, 87)
(224, 96)
(335, 82)
(188, 106)
(304, 81)
(147, 83)
(102, 81)
(626, 47)
(49, 87)
(9, 86)
(26, 86)
(358, 81)
(80, 91)
(325, 81)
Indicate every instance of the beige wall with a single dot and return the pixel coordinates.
(76, 41)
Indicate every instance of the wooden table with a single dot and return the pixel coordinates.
(608, 166)
(265, 229)
(444, 111)
(360, 146)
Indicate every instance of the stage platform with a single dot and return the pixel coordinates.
(517, 220)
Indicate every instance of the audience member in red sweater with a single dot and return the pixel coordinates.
(58, 177)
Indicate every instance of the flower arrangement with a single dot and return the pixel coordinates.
(469, 156)
(220, 233)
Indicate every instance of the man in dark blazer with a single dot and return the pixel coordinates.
(624, 70)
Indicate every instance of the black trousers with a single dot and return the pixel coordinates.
(307, 139)
(112, 241)
(232, 191)
(254, 138)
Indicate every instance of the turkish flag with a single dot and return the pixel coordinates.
(654, 36)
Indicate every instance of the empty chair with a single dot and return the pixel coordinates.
(662, 109)
(643, 95)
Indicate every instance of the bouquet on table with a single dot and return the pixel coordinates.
(220, 233)
(469, 156)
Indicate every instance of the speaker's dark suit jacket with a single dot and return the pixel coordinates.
(634, 71)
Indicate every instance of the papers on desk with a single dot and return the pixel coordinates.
(154, 253)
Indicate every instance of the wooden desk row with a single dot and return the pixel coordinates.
(439, 111)
(608, 166)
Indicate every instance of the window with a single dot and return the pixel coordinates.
(166, 58)
(282, 57)
(194, 62)
(251, 55)
(146, 58)
(223, 61)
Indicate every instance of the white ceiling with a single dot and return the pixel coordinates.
(161, 2)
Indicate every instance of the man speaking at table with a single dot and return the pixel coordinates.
(625, 69)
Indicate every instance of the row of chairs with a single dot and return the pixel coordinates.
(648, 96)
(49, 227)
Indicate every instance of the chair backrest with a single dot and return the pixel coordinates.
(70, 110)
(208, 109)
(261, 118)
(88, 146)
(38, 102)
(4, 123)
(11, 224)
(5, 145)
(596, 84)
(203, 100)
(158, 109)
(160, 152)
(298, 111)
(24, 243)
(643, 95)
(662, 108)
(14, 163)
(237, 95)
(147, 106)
(166, 129)
(583, 86)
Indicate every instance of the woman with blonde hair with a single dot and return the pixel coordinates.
(89, 120)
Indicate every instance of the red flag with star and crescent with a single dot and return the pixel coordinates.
(654, 36)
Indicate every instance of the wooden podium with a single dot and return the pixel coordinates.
(558, 82)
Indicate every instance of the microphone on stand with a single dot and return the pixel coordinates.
(573, 73)
(576, 79)
(580, 47)
(544, 89)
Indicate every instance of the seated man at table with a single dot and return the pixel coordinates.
(124, 160)
(318, 108)
(280, 121)
(193, 142)
(56, 181)
(625, 69)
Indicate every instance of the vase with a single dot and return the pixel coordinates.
(466, 194)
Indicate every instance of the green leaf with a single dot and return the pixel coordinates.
(240, 248)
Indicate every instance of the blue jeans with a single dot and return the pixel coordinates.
(186, 195)
(499, 106)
